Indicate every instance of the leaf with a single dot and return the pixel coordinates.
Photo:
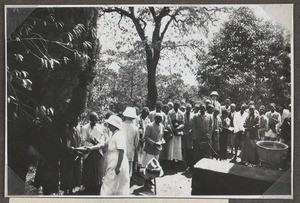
(71, 37)
(61, 24)
(43, 109)
(51, 111)
(88, 44)
(49, 120)
(24, 74)
(51, 62)
(19, 57)
(66, 59)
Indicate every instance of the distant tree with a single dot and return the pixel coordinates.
(248, 59)
(158, 21)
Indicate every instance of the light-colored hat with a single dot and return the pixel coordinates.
(252, 106)
(153, 169)
(94, 114)
(170, 104)
(115, 121)
(210, 105)
(130, 112)
(207, 101)
(214, 93)
(158, 115)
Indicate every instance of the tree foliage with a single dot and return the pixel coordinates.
(50, 64)
(152, 24)
(248, 59)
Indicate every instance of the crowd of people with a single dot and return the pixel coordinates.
(134, 143)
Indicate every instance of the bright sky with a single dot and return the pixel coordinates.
(281, 13)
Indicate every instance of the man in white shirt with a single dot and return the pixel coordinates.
(238, 124)
(274, 122)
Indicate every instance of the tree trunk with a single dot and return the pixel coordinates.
(152, 89)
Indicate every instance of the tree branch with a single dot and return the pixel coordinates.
(153, 12)
(144, 22)
(118, 10)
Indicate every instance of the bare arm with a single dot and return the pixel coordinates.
(120, 159)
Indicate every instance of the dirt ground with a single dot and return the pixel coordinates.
(175, 182)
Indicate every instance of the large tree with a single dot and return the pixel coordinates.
(50, 64)
(152, 25)
(248, 59)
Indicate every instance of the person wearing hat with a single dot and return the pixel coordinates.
(239, 129)
(202, 132)
(249, 153)
(116, 180)
(274, 121)
(131, 133)
(176, 123)
(94, 137)
(158, 109)
(153, 142)
(214, 95)
(263, 123)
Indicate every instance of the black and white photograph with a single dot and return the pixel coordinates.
(160, 101)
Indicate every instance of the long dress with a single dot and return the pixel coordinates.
(142, 126)
(116, 184)
(175, 148)
(131, 133)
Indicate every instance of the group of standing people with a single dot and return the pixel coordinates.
(118, 148)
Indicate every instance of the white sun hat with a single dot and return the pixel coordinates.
(214, 93)
(130, 112)
(115, 121)
(153, 169)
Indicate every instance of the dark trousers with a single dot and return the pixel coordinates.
(189, 157)
(201, 150)
(223, 144)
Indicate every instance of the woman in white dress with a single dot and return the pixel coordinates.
(116, 179)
